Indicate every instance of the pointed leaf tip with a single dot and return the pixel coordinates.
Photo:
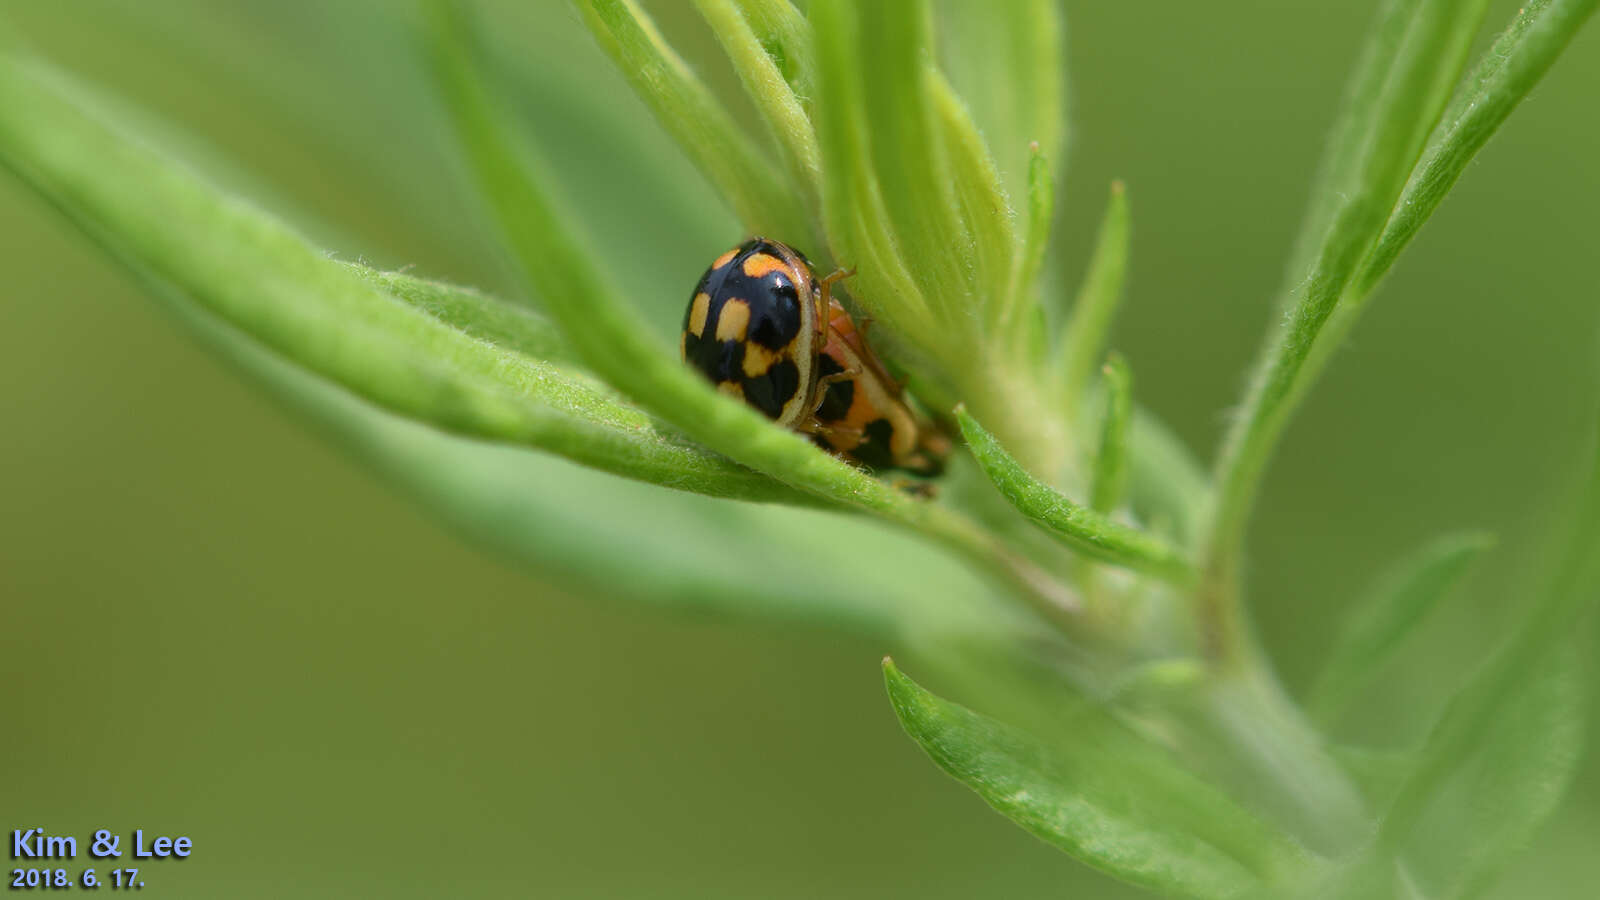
(1107, 799)
(1110, 474)
(1082, 341)
(451, 358)
(1078, 526)
(1376, 627)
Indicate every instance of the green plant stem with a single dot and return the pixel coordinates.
(1516, 62)
(1026, 414)
(1398, 91)
(1280, 758)
(1272, 749)
(1398, 94)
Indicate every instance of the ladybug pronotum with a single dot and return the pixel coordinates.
(762, 327)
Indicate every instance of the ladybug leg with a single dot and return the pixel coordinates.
(822, 386)
(826, 284)
(921, 490)
(815, 426)
(826, 303)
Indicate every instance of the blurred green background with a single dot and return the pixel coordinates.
(217, 625)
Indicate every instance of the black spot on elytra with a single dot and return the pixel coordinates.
(730, 360)
(717, 360)
(774, 309)
(773, 388)
(838, 395)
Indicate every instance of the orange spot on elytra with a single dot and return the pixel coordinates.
(697, 314)
(733, 321)
(759, 264)
(758, 359)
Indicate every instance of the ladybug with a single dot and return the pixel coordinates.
(865, 416)
(762, 327)
(755, 326)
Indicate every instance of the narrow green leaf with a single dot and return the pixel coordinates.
(1083, 343)
(1079, 527)
(985, 212)
(912, 161)
(859, 229)
(1485, 787)
(248, 268)
(786, 36)
(1500, 757)
(486, 318)
(1376, 626)
(1248, 736)
(1413, 59)
(1167, 487)
(1380, 773)
(1517, 61)
(769, 63)
(1009, 61)
(1362, 876)
(535, 508)
(1036, 238)
(567, 522)
(1358, 119)
(702, 126)
(610, 341)
(1111, 462)
(1105, 797)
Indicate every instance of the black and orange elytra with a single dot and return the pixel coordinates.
(762, 327)
(752, 327)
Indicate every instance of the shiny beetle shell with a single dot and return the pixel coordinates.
(762, 327)
(754, 327)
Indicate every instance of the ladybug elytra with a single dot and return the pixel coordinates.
(764, 328)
